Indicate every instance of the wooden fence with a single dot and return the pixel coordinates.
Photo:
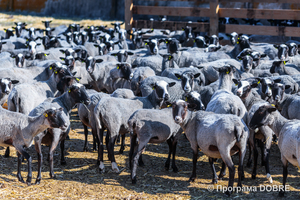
(214, 12)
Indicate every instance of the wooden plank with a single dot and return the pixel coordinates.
(260, 13)
(128, 14)
(170, 25)
(214, 17)
(261, 30)
(262, 1)
(171, 11)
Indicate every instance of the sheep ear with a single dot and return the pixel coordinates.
(197, 75)
(99, 60)
(130, 53)
(287, 87)
(272, 109)
(171, 84)
(277, 80)
(276, 46)
(263, 55)
(14, 81)
(178, 76)
(221, 38)
(254, 85)
(235, 81)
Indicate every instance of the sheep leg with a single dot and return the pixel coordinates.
(38, 148)
(255, 155)
(122, 148)
(266, 158)
(20, 178)
(174, 167)
(249, 162)
(195, 157)
(215, 177)
(223, 171)
(94, 142)
(285, 173)
(132, 147)
(98, 133)
(167, 163)
(262, 148)
(85, 147)
(242, 153)
(135, 162)
(62, 149)
(22, 152)
(228, 161)
(51, 151)
(112, 154)
(7, 151)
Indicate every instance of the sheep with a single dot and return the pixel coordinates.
(85, 113)
(224, 101)
(6, 85)
(227, 135)
(75, 94)
(24, 97)
(18, 130)
(287, 132)
(152, 126)
(139, 75)
(252, 101)
(280, 68)
(114, 113)
(175, 92)
(287, 104)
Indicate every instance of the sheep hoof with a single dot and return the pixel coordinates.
(114, 167)
(63, 162)
(121, 151)
(269, 177)
(253, 176)
(101, 167)
(21, 179)
(192, 179)
(133, 180)
(167, 166)
(228, 193)
(85, 149)
(52, 176)
(175, 169)
(214, 181)
(28, 183)
(38, 181)
(281, 194)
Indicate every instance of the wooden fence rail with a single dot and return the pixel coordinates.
(214, 12)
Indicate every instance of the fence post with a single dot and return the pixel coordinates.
(128, 14)
(214, 17)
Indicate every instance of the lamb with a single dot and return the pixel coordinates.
(152, 126)
(114, 113)
(227, 135)
(287, 132)
(75, 94)
(18, 130)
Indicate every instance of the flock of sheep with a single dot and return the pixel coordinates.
(221, 97)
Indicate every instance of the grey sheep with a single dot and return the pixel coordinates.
(287, 132)
(226, 132)
(75, 94)
(114, 113)
(18, 130)
(152, 126)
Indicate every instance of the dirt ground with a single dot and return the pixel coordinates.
(80, 178)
